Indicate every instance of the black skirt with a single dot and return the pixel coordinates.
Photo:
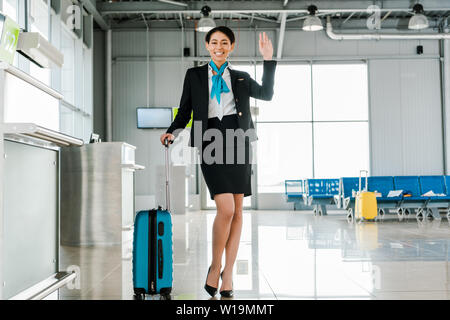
(226, 166)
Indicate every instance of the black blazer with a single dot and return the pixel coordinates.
(195, 98)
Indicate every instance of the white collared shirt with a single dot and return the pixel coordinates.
(227, 105)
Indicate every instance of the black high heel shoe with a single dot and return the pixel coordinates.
(226, 293)
(211, 290)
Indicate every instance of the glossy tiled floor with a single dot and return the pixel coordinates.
(289, 255)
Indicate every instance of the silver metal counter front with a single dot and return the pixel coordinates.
(30, 215)
(97, 194)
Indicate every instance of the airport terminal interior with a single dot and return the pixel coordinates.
(350, 175)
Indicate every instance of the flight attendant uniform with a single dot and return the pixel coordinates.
(230, 170)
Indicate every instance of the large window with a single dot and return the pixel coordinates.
(284, 150)
(292, 98)
(340, 110)
(340, 92)
(316, 125)
(341, 149)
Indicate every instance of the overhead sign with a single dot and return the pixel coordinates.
(9, 36)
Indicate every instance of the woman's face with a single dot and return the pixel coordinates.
(219, 47)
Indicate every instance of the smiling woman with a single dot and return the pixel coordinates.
(225, 109)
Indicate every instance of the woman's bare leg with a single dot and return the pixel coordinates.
(232, 246)
(221, 231)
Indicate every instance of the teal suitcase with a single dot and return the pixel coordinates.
(152, 253)
(153, 249)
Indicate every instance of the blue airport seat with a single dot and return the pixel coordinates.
(447, 184)
(350, 184)
(320, 192)
(435, 184)
(383, 185)
(439, 198)
(409, 183)
(321, 196)
(295, 192)
(322, 188)
(347, 186)
(415, 201)
(294, 188)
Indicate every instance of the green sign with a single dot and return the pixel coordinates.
(175, 112)
(10, 35)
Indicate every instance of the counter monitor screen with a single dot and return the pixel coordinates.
(154, 118)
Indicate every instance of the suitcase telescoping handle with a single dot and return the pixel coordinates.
(166, 146)
(360, 176)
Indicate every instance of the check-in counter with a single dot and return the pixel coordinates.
(97, 194)
(30, 144)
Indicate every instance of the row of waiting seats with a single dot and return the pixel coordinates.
(315, 193)
(321, 192)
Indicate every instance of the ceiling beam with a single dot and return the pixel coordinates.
(180, 4)
(91, 8)
(268, 7)
(281, 35)
(252, 16)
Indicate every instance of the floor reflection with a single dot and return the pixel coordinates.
(288, 255)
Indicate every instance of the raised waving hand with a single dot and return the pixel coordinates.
(265, 46)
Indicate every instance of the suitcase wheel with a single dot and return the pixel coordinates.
(139, 296)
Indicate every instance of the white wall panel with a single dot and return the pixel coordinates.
(379, 47)
(162, 43)
(422, 117)
(129, 43)
(410, 47)
(405, 119)
(385, 117)
(299, 44)
(325, 46)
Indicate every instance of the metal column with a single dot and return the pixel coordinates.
(445, 85)
(108, 97)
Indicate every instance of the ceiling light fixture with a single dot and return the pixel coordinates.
(206, 23)
(312, 23)
(418, 21)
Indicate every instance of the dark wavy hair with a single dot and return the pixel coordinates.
(225, 30)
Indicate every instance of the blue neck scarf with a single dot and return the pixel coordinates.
(218, 84)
